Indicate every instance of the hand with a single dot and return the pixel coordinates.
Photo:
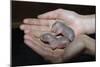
(66, 34)
(70, 18)
(79, 23)
(79, 44)
(60, 55)
(44, 50)
(33, 27)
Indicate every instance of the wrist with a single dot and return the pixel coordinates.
(87, 23)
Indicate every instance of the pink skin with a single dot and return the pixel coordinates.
(79, 23)
(53, 41)
(60, 28)
(63, 36)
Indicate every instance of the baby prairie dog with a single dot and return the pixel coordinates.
(64, 35)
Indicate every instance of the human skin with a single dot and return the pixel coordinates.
(79, 23)
(81, 44)
(59, 28)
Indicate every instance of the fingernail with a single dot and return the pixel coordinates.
(25, 20)
(22, 27)
(26, 31)
(39, 16)
(26, 42)
(26, 37)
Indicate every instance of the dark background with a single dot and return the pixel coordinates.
(23, 55)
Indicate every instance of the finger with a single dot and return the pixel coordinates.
(58, 52)
(40, 48)
(46, 52)
(43, 51)
(32, 38)
(50, 15)
(58, 14)
(36, 33)
(74, 48)
(34, 27)
(90, 44)
(37, 21)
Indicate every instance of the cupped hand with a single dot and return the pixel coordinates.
(33, 26)
(44, 50)
(79, 45)
(70, 18)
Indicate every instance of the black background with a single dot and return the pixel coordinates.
(23, 55)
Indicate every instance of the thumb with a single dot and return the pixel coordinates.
(50, 15)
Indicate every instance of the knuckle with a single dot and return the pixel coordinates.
(25, 20)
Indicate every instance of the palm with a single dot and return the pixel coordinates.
(44, 49)
(72, 19)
